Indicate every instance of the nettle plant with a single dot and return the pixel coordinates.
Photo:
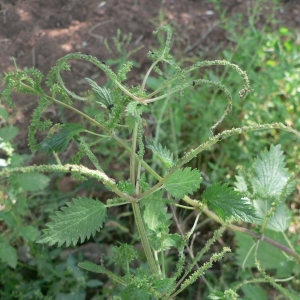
(259, 197)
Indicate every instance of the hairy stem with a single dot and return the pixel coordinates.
(145, 242)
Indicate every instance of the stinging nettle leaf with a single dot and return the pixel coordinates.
(155, 211)
(227, 203)
(78, 220)
(268, 185)
(183, 182)
(279, 221)
(133, 292)
(271, 175)
(103, 94)
(163, 154)
(59, 142)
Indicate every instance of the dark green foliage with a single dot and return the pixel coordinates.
(103, 95)
(227, 203)
(78, 220)
(124, 254)
(163, 154)
(59, 142)
(183, 182)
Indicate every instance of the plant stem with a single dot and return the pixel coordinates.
(132, 154)
(257, 236)
(144, 239)
(136, 206)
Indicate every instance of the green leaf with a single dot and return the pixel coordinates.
(8, 254)
(162, 241)
(183, 182)
(103, 95)
(16, 160)
(124, 254)
(163, 285)
(254, 292)
(130, 122)
(163, 154)
(133, 292)
(279, 221)
(59, 142)
(268, 256)
(73, 269)
(89, 266)
(79, 219)
(8, 133)
(133, 108)
(126, 187)
(267, 185)
(270, 173)
(155, 211)
(31, 182)
(227, 203)
(4, 113)
(93, 283)
(241, 184)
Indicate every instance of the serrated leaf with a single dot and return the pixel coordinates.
(280, 220)
(241, 184)
(8, 254)
(31, 182)
(8, 133)
(163, 285)
(227, 203)
(183, 182)
(133, 292)
(270, 173)
(266, 186)
(59, 141)
(78, 220)
(163, 154)
(155, 211)
(130, 122)
(103, 94)
(133, 108)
